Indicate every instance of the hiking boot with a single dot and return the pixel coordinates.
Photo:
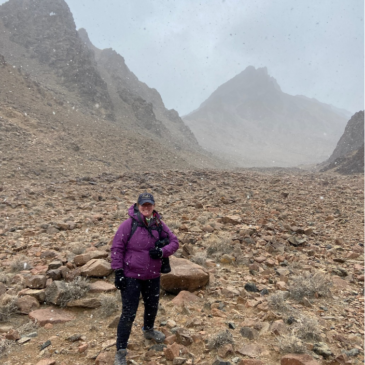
(120, 357)
(154, 335)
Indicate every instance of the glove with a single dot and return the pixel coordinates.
(156, 253)
(119, 280)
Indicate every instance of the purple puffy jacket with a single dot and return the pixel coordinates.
(133, 256)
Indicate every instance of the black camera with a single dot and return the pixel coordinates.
(165, 267)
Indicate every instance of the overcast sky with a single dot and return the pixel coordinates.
(187, 48)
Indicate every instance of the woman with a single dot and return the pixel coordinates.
(137, 263)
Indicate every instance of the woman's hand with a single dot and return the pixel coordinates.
(119, 280)
(156, 253)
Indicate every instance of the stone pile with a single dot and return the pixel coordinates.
(270, 269)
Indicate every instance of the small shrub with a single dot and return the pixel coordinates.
(19, 264)
(8, 307)
(27, 328)
(67, 291)
(5, 345)
(220, 339)
(219, 245)
(174, 224)
(3, 278)
(109, 305)
(309, 285)
(291, 344)
(277, 301)
(202, 219)
(308, 329)
(200, 258)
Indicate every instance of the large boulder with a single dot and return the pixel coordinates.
(96, 267)
(50, 315)
(184, 275)
(27, 304)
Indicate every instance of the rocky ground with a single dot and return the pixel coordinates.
(270, 268)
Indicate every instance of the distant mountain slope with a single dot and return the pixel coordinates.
(251, 121)
(41, 137)
(40, 37)
(125, 88)
(348, 156)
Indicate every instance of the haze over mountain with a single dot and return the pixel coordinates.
(251, 121)
(348, 156)
(59, 82)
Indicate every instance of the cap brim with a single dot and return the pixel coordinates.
(146, 201)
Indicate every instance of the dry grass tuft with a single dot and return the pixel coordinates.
(27, 328)
(19, 264)
(7, 307)
(68, 291)
(5, 345)
(3, 278)
(308, 329)
(310, 285)
(200, 258)
(277, 301)
(290, 344)
(217, 244)
(174, 225)
(220, 339)
(109, 305)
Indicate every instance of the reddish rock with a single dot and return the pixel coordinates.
(183, 337)
(296, 359)
(97, 268)
(172, 351)
(184, 275)
(101, 286)
(249, 350)
(46, 362)
(12, 335)
(184, 298)
(83, 347)
(38, 294)
(27, 304)
(360, 277)
(85, 303)
(225, 350)
(281, 285)
(230, 292)
(250, 362)
(82, 259)
(39, 270)
(278, 327)
(232, 219)
(36, 281)
(105, 358)
(50, 315)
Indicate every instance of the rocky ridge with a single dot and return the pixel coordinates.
(251, 121)
(348, 156)
(42, 40)
(280, 262)
(44, 136)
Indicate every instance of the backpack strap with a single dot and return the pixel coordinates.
(136, 224)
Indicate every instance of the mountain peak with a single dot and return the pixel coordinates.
(249, 119)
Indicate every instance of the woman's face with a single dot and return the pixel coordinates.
(146, 209)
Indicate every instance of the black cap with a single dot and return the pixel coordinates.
(146, 198)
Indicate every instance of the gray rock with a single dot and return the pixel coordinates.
(322, 349)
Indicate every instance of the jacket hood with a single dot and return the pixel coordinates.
(133, 213)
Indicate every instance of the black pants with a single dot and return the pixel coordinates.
(150, 290)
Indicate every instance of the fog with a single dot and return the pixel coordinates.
(186, 49)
